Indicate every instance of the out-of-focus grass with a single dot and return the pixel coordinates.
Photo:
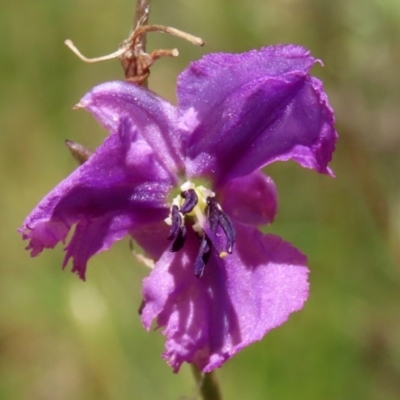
(64, 339)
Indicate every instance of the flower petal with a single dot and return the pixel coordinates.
(152, 239)
(120, 188)
(154, 117)
(252, 199)
(236, 302)
(253, 109)
(96, 235)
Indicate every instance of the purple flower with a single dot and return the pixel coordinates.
(185, 182)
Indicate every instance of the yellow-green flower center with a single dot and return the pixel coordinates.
(198, 213)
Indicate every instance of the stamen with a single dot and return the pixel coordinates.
(212, 213)
(180, 239)
(229, 230)
(200, 208)
(190, 202)
(216, 217)
(176, 218)
(202, 257)
(178, 230)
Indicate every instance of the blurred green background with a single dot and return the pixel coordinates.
(63, 339)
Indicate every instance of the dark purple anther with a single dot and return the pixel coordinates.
(190, 202)
(179, 240)
(216, 217)
(202, 257)
(178, 230)
(229, 230)
(176, 218)
(212, 213)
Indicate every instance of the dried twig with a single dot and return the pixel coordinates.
(131, 53)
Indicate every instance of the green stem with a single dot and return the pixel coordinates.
(207, 384)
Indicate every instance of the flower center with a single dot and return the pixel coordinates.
(197, 205)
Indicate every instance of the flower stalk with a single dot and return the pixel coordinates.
(207, 384)
(142, 12)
